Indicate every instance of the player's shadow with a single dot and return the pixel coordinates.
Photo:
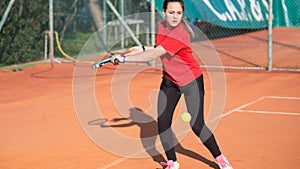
(149, 134)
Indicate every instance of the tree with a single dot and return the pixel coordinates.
(22, 35)
(96, 13)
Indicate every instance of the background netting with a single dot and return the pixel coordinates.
(23, 36)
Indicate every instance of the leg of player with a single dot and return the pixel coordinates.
(194, 97)
(167, 100)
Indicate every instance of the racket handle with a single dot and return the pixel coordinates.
(95, 66)
(101, 63)
(105, 61)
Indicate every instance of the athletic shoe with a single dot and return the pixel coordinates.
(170, 164)
(223, 162)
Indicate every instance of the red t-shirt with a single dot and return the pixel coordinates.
(179, 65)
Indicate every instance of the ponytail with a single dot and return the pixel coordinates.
(188, 27)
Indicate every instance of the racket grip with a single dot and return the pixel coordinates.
(101, 63)
(94, 66)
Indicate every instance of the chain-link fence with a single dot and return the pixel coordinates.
(24, 36)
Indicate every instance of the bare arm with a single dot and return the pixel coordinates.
(138, 49)
(150, 53)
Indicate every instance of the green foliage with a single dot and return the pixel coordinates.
(22, 37)
(73, 43)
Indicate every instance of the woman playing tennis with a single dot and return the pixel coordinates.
(181, 75)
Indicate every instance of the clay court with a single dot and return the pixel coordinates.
(259, 126)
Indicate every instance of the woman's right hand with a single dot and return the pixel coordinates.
(117, 57)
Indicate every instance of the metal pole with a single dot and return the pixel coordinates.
(152, 63)
(105, 23)
(46, 46)
(153, 22)
(51, 51)
(270, 27)
(135, 39)
(122, 27)
(11, 2)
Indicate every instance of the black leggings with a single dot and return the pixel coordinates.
(168, 98)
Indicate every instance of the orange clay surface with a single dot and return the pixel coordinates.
(39, 126)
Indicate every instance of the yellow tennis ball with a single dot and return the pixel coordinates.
(186, 117)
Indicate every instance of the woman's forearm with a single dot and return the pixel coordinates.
(150, 53)
(148, 47)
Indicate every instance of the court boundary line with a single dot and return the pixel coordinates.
(269, 112)
(240, 108)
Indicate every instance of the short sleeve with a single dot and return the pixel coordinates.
(172, 45)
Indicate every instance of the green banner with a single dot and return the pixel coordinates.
(241, 13)
(234, 14)
(286, 13)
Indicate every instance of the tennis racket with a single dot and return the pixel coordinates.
(108, 59)
(103, 62)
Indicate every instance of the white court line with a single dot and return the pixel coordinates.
(253, 111)
(235, 110)
(113, 163)
(239, 109)
(280, 97)
(121, 159)
(242, 106)
(269, 112)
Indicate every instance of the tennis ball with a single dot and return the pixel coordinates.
(186, 117)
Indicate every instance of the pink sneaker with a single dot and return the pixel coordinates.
(170, 164)
(223, 163)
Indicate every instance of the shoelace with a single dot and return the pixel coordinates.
(169, 164)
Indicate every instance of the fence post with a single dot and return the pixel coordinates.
(51, 48)
(135, 39)
(270, 38)
(152, 63)
(46, 46)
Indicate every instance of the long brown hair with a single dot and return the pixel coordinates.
(185, 23)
